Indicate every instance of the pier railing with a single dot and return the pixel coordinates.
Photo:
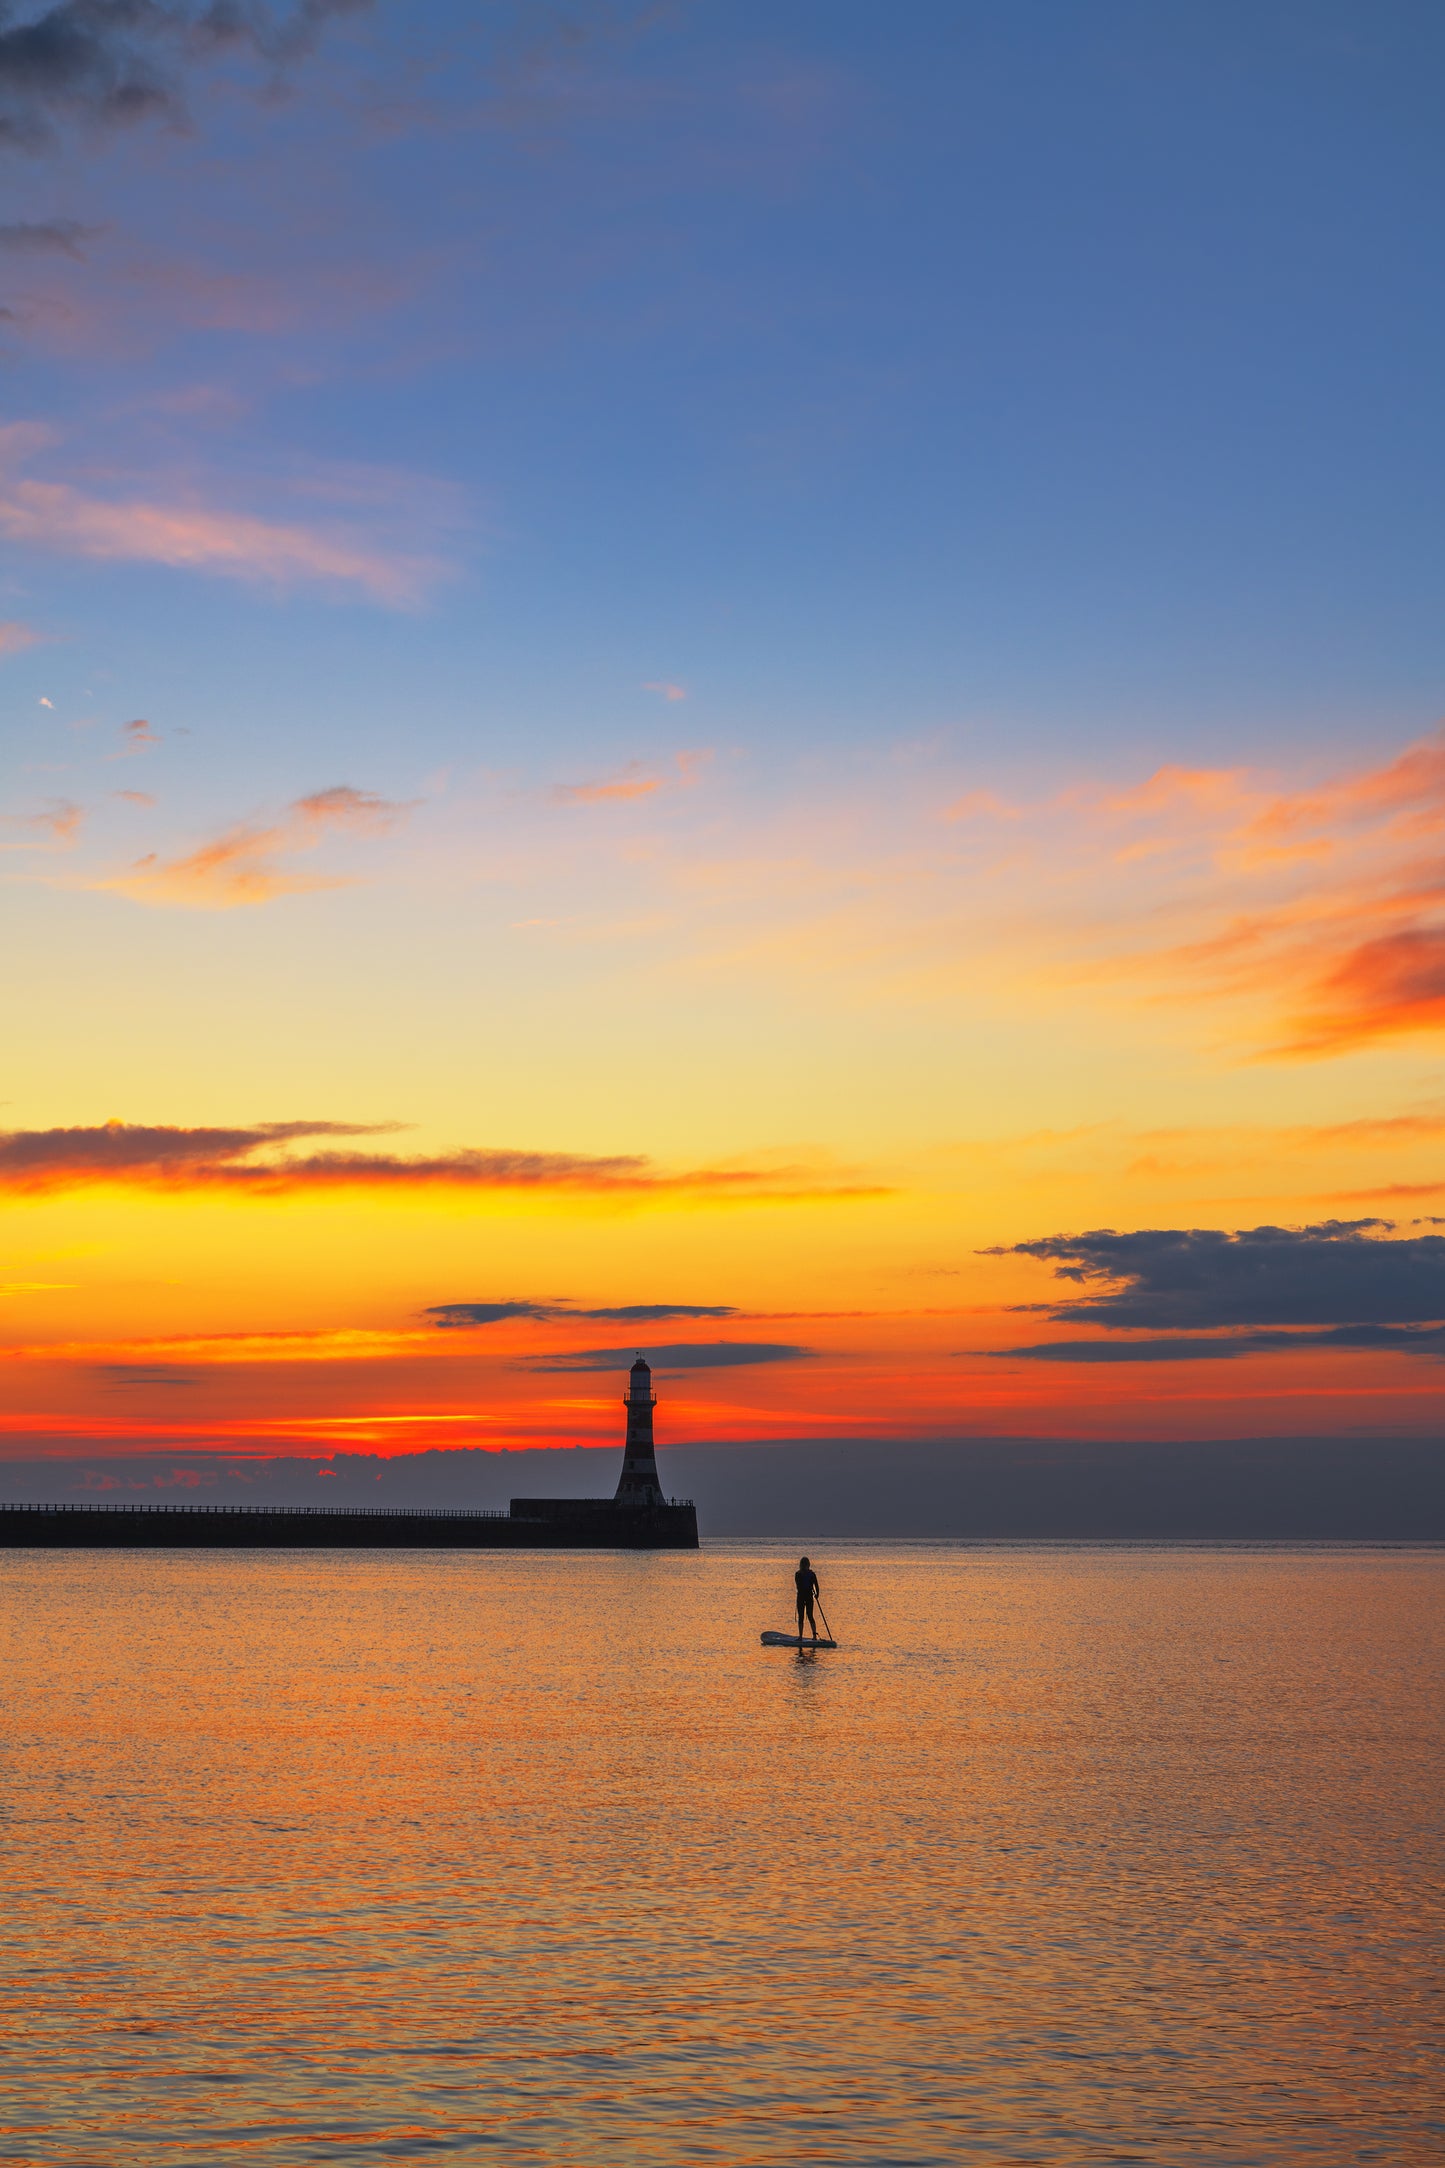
(411, 1513)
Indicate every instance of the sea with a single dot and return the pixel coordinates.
(1065, 1854)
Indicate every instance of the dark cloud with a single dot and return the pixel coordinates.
(57, 1158)
(460, 1316)
(46, 237)
(1337, 1273)
(143, 1374)
(110, 63)
(642, 1313)
(1166, 1349)
(173, 1158)
(1175, 1348)
(685, 1355)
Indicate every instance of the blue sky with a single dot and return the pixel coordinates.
(840, 600)
(1058, 378)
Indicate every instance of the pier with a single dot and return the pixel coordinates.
(558, 1524)
(637, 1518)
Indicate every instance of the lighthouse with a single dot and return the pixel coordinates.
(636, 1518)
(639, 1485)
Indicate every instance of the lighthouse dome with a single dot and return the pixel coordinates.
(641, 1364)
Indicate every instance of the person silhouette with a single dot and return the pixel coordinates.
(806, 1583)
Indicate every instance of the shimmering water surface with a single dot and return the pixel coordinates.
(1066, 1855)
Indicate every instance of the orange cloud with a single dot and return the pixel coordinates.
(1201, 790)
(242, 865)
(1351, 945)
(1323, 908)
(1384, 987)
(15, 637)
(668, 690)
(632, 783)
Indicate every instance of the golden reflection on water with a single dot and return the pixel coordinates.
(1066, 1855)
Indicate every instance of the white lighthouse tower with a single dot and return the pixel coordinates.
(639, 1485)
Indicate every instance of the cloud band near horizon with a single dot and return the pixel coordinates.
(173, 1159)
(1261, 1290)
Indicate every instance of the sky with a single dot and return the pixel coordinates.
(755, 682)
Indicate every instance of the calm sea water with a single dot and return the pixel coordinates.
(1066, 1855)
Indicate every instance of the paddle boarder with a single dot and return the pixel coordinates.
(806, 1583)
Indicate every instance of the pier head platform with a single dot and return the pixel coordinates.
(637, 1518)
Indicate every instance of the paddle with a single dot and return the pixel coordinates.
(824, 1617)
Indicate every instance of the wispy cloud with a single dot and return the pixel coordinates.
(634, 782)
(246, 864)
(979, 805)
(144, 1375)
(467, 1316)
(680, 1355)
(665, 688)
(136, 737)
(258, 1159)
(55, 826)
(1288, 920)
(1230, 1346)
(46, 237)
(188, 534)
(631, 783)
(102, 64)
(44, 1159)
(15, 637)
(1327, 903)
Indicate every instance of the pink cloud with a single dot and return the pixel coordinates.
(54, 827)
(192, 536)
(15, 637)
(666, 688)
(245, 864)
(137, 737)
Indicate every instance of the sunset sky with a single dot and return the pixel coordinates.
(758, 681)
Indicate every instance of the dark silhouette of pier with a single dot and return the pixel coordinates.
(558, 1524)
(638, 1518)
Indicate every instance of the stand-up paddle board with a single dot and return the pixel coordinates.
(796, 1641)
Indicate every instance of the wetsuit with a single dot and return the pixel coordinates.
(806, 1583)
